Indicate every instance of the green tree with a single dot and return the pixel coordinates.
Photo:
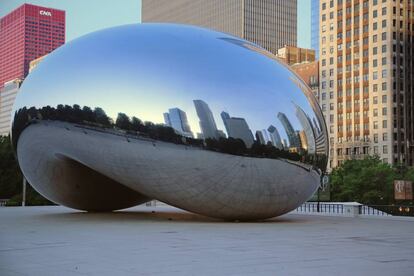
(11, 178)
(368, 181)
(123, 121)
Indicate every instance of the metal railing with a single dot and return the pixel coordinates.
(312, 207)
(368, 210)
(387, 210)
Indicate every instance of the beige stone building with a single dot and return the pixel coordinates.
(269, 23)
(366, 78)
(7, 96)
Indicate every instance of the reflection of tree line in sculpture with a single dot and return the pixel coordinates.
(134, 126)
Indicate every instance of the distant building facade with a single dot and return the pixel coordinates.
(27, 33)
(366, 78)
(268, 23)
(7, 96)
(315, 27)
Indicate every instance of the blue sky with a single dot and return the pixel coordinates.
(84, 16)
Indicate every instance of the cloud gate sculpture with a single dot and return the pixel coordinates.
(198, 119)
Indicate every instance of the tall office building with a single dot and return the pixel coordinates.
(315, 27)
(206, 119)
(268, 23)
(177, 119)
(238, 128)
(366, 77)
(27, 33)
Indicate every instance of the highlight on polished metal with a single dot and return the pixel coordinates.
(198, 119)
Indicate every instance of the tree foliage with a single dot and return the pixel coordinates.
(11, 179)
(10, 176)
(368, 181)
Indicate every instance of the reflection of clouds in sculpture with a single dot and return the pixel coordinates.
(158, 87)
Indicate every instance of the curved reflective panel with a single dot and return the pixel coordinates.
(198, 119)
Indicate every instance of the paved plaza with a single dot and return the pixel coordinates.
(166, 241)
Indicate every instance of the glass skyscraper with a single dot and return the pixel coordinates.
(315, 27)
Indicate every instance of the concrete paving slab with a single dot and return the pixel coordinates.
(163, 240)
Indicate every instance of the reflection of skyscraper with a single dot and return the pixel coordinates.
(238, 128)
(177, 119)
(285, 143)
(275, 137)
(291, 133)
(260, 137)
(315, 26)
(303, 140)
(207, 124)
(309, 132)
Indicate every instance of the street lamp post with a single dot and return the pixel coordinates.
(24, 192)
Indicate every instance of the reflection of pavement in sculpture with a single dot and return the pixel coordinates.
(201, 181)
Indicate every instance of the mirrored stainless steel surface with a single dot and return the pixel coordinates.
(198, 119)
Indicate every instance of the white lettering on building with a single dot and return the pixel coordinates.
(46, 13)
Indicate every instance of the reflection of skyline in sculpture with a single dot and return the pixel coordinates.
(237, 128)
(122, 149)
(275, 137)
(177, 119)
(293, 137)
(260, 137)
(207, 123)
(307, 135)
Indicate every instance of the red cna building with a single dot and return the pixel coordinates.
(27, 33)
